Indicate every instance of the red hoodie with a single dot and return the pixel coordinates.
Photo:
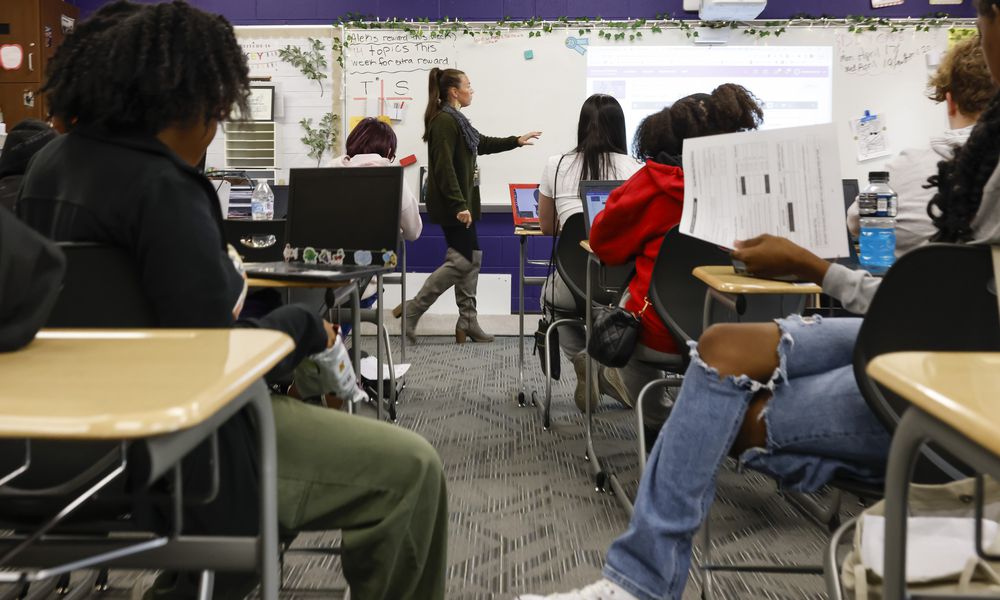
(632, 225)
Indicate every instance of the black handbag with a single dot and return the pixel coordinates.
(614, 334)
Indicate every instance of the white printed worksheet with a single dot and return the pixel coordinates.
(784, 182)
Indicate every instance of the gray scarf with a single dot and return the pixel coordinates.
(468, 131)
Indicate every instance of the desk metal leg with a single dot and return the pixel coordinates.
(378, 347)
(355, 336)
(591, 455)
(268, 551)
(520, 315)
(402, 304)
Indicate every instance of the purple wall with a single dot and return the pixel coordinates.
(262, 12)
(500, 253)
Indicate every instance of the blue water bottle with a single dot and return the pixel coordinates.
(877, 206)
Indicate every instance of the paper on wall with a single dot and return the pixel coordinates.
(870, 137)
(785, 182)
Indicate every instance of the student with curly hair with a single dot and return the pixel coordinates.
(962, 81)
(644, 208)
(816, 422)
(141, 90)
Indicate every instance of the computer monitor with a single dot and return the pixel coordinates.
(354, 208)
(524, 204)
(594, 195)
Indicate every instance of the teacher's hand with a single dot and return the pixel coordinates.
(465, 218)
(525, 140)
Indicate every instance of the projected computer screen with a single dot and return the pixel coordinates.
(795, 83)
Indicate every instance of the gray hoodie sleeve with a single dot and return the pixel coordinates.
(854, 289)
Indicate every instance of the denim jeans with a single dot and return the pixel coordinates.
(818, 426)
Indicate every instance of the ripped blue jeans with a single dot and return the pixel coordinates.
(818, 426)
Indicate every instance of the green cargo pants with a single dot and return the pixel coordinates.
(383, 486)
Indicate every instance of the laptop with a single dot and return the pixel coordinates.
(524, 204)
(594, 195)
(351, 209)
(851, 261)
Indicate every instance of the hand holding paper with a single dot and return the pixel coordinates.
(783, 182)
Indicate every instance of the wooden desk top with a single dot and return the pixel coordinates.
(957, 388)
(120, 384)
(585, 244)
(281, 283)
(724, 279)
(527, 232)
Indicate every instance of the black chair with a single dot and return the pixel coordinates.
(572, 262)
(138, 481)
(938, 297)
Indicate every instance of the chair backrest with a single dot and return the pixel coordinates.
(572, 262)
(101, 289)
(938, 297)
(677, 296)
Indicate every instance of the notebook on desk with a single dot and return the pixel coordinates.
(524, 205)
(594, 195)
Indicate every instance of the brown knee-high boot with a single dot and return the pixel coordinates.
(467, 326)
(453, 271)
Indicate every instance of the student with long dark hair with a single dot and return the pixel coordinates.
(601, 152)
(782, 396)
(453, 199)
(142, 89)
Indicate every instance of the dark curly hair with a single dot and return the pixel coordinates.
(728, 109)
(960, 181)
(134, 67)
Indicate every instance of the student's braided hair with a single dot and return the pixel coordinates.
(728, 109)
(142, 68)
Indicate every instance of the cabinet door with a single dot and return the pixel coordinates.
(20, 36)
(13, 106)
(57, 20)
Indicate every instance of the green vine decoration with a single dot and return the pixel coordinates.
(310, 62)
(630, 30)
(321, 138)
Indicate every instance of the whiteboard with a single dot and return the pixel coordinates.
(883, 72)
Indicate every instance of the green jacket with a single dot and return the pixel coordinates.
(452, 168)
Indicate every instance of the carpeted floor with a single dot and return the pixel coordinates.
(525, 516)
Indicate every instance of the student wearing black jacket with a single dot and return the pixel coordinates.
(142, 89)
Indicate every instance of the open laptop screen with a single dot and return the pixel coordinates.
(594, 195)
(353, 208)
(527, 202)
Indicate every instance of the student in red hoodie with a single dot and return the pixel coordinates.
(644, 208)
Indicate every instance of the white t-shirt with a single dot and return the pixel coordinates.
(567, 197)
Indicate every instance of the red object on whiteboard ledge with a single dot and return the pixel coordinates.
(408, 160)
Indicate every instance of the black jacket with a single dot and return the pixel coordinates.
(135, 193)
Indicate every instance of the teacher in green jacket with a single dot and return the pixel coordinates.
(453, 199)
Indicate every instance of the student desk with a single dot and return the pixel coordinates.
(523, 235)
(730, 289)
(342, 286)
(954, 404)
(174, 386)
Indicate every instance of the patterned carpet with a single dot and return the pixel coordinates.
(525, 516)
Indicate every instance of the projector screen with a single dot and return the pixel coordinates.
(795, 83)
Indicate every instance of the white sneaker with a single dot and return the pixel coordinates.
(602, 590)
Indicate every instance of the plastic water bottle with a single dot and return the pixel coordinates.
(262, 202)
(877, 206)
